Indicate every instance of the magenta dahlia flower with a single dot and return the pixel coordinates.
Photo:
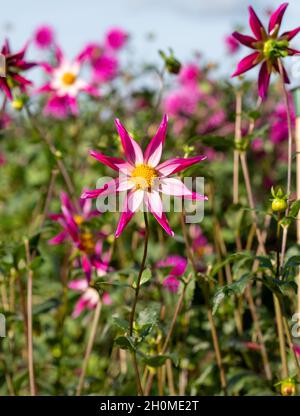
(44, 37)
(89, 298)
(15, 65)
(65, 85)
(178, 266)
(269, 46)
(75, 229)
(232, 44)
(144, 177)
(116, 38)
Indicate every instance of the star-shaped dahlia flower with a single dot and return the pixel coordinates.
(144, 177)
(76, 229)
(65, 85)
(14, 65)
(269, 47)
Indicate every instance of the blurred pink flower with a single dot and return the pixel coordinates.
(4, 120)
(105, 68)
(145, 178)
(232, 44)
(44, 37)
(116, 38)
(65, 85)
(182, 102)
(200, 244)
(178, 266)
(189, 75)
(278, 121)
(89, 244)
(2, 159)
(89, 298)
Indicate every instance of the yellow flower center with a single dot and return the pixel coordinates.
(78, 219)
(87, 242)
(143, 176)
(68, 78)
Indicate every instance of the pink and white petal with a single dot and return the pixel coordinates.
(70, 223)
(58, 54)
(87, 266)
(161, 220)
(276, 17)
(175, 165)
(135, 200)
(155, 203)
(255, 24)
(80, 285)
(132, 149)
(175, 187)
(86, 207)
(263, 81)
(244, 39)
(115, 185)
(246, 63)
(44, 88)
(106, 299)
(55, 217)
(125, 216)
(112, 162)
(91, 90)
(73, 104)
(66, 202)
(154, 149)
(290, 34)
(58, 239)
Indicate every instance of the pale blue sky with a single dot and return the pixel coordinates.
(185, 25)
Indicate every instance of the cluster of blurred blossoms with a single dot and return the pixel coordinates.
(98, 61)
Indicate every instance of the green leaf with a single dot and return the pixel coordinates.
(295, 207)
(156, 361)
(265, 262)
(47, 306)
(125, 343)
(146, 276)
(121, 323)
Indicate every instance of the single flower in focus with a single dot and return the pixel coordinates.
(44, 37)
(178, 266)
(15, 64)
(75, 229)
(232, 44)
(144, 177)
(89, 298)
(65, 86)
(268, 46)
(116, 38)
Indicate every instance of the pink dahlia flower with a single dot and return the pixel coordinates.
(278, 121)
(44, 37)
(75, 229)
(15, 64)
(64, 86)
(144, 177)
(89, 298)
(116, 38)
(268, 47)
(178, 266)
(189, 75)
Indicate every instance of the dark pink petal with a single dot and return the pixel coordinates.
(293, 52)
(5, 88)
(246, 63)
(5, 48)
(70, 223)
(255, 23)
(66, 202)
(55, 217)
(72, 101)
(277, 16)
(285, 75)
(59, 238)
(290, 34)
(58, 54)
(263, 81)
(115, 185)
(112, 162)
(46, 67)
(87, 267)
(131, 148)
(175, 165)
(79, 307)
(244, 39)
(154, 148)
(91, 90)
(126, 215)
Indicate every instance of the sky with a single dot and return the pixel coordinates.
(185, 25)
